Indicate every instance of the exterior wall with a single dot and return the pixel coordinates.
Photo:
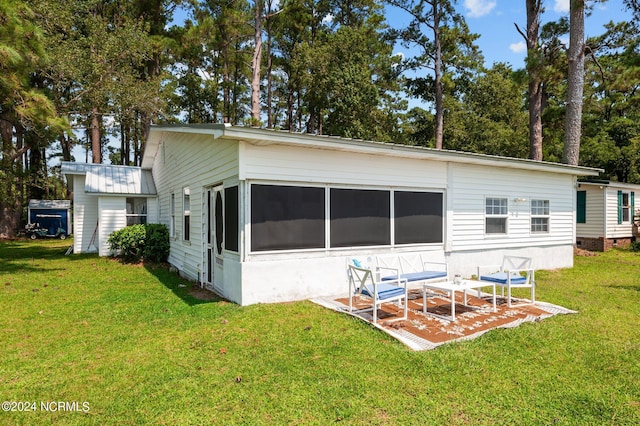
(195, 162)
(615, 230)
(85, 217)
(594, 226)
(112, 217)
(468, 245)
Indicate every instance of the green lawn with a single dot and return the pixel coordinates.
(131, 344)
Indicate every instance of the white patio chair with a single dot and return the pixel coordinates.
(362, 282)
(515, 272)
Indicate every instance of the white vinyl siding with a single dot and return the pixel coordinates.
(594, 225)
(113, 216)
(296, 164)
(470, 185)
(193, 161)
(613, 228)
(85, 215)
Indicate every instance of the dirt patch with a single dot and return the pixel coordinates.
(202, 293)
(583, 252)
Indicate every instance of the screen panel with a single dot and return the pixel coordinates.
(360, 217)
(418, 217)
(287, 217)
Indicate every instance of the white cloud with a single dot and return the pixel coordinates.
(328, 19)
(561, 6)
(478, 8)
(518, 47)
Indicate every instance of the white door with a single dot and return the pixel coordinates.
(214, 221)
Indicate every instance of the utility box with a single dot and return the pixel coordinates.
(50, 214)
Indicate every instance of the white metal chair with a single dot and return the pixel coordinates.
(515, 272)
(362, 282)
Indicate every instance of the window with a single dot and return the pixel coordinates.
(172, 208)
(186, 207)
(231, 218)
(136, 211)
(418, 217)
(625, 207)
(539, 216)
(359, 217)
(287, 217)
(581, 207)
(496, 212)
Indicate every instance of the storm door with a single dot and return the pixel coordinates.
(215, 238)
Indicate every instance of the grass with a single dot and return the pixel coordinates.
(130, 342)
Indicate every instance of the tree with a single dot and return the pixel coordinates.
(27, 117)
(575, 83)
(534, 66)
(446, 47)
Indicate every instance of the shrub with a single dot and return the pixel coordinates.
(141, 242)
(635, 246)
(156, 247)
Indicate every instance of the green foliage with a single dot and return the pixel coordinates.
(136, 243)
(128, 242)
(635, 246)
(156, 245)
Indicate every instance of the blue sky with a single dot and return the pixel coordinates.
(499, 40)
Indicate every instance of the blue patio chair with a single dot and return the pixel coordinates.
(515, 272)
(362, 283)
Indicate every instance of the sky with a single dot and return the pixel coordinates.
(499, 40)
(494, 21)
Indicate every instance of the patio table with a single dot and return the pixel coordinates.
(452, 287)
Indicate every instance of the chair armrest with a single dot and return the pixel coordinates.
(395, 271)
(442, 265)
(485, 268)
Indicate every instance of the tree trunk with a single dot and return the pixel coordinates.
(256, 61)
(534, 65)
(575, 86)
(438, 77)
(96, 145)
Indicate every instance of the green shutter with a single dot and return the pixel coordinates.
(633, 207)
(619, 207)
(581, 214)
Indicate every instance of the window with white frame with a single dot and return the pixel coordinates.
(186, 207)
(496, 214)
(624, 207)
(539, 216)
(136, 211)
(172, 209)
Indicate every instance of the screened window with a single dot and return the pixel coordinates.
(496, 212)
(539, 216)
(418, 217)
(287, 217)
(231, 218)
(359, 217)
(186, 205)
(136, 211)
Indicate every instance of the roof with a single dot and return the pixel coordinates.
(610, 184)
(259, 136)
(50, 204)
(110, 179)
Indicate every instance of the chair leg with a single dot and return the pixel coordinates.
(508, 296)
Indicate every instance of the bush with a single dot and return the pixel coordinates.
(156, 247)
(141, 242)
(635, 246)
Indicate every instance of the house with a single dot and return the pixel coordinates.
(265, 216)
(605, 214)
(107, 198)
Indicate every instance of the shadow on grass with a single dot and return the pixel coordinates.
(23, 255)
(626, 287)
(186, 290)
